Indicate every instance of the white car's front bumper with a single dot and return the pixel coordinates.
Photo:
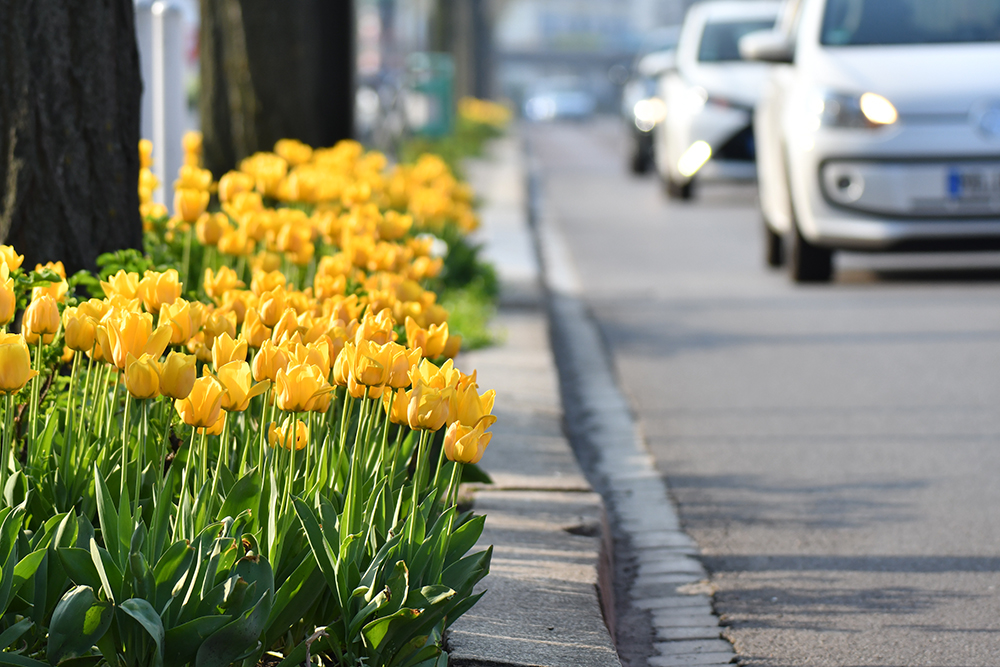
(921, 185)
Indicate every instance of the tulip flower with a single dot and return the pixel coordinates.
(278, 436)
(80, 330)
(272, 306)
(469, 408)
(123, 282)
(156, 289)
(142, 376)
(268, 361)
(233, 183)
(10, 258)
(464, 444)
(235, 377)
(41, 320)
(8, 299)
(132, 333)
(177, 375)
(216, 284)
(254, 332)
(431, 340)
(226, 349)
(286, 327)
(189, 204)
(217, 323)
(179, 316)
(300, 387)
(428, 407)
(376, 328)
(15, 363)
(400, 403)
(203, 406)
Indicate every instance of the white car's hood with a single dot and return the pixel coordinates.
(919, 79)
(740, 82)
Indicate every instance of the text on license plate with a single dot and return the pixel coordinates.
(982, 183)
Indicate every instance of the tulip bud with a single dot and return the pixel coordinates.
(156, 289)
(463, 444)
(41, 319)
(80, 330)
(15, 363)
(277, 437)
(177, 375)
(189, 204)
(8, 299)
(202, 408)
(10, 258)
(142, 376)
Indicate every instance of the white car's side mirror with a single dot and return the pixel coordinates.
(768, 46)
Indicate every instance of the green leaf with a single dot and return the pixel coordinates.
(321, 549)
(378, 631)
(245, 495)
(146, 616)
(298, 593)
(465, 537)
(107, 515)
(468, 571)
(14, 632)
(181, 643)
(170, 571)
(78, 622)
(111, 577)
(18, 660)
(79, 566)
(235, 639)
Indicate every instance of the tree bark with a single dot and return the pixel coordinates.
(272, 70)
(70, 89)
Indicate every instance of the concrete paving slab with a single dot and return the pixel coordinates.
(673, 602)
(703, 660)
(679, 634)
(541, 607)
(694, 647)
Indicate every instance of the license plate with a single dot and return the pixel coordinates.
(973, 183)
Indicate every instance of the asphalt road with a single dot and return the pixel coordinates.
(834, 449)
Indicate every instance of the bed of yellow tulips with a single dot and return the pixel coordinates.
(244, 446)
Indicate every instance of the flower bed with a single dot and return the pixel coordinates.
(246, 447)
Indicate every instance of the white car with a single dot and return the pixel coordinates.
(710, 95)
(879, 129)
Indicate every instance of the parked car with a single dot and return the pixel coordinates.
(879, 129)
(559, 98)
(710, 96)
(642, 108)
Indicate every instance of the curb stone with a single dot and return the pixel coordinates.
(661, 586)
(545, 523)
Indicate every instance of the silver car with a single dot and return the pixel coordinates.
(878, 129)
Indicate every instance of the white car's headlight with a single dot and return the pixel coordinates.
(868, 110)
(649, 112)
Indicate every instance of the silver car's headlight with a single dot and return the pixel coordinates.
(868, 110)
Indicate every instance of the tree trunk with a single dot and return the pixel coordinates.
(69, 129)
(271, 70)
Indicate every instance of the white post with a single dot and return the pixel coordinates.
(168, 95)
(144, 36)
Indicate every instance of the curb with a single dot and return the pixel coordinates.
(663, 607)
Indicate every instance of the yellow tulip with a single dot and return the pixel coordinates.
(142, 376)
(400, 403)
(189, 204)
(286, 327)
(123, 282)
(428, 407)
(145, 153)
(210, 228)
(202, 408)
(254, 332)
(272, 306)
(277, 437)
(464, 444)
(177, 375)
(235, 377)
(41, 319)
(179, 317)
(236, 242)
(216, 428)
(80, 330)
(15, 363)
(233, 183)
(376, 328)
(219, 322)
(8, 299)
(216, 284)
(10, 258)
(132, 333)
(469, 408)
(293, 151)
(226, 349)
(431, 340)
(156, 289)
(453, 346)
(300, 387)
(268, 360)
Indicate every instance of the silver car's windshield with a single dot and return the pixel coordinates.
(720, 41)
(865, 22)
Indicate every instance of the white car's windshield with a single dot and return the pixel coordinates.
(720, 41)
(865, 22)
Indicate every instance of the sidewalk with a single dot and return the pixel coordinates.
(543, 607)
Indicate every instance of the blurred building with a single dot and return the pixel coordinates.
(537, 40)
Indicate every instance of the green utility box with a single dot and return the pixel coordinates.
(430, 98)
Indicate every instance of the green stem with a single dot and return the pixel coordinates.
(143, 437)
(202, 461)
(186, 261)
(124, 458)
(36, 390)
(417, 474)
(453, 484)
